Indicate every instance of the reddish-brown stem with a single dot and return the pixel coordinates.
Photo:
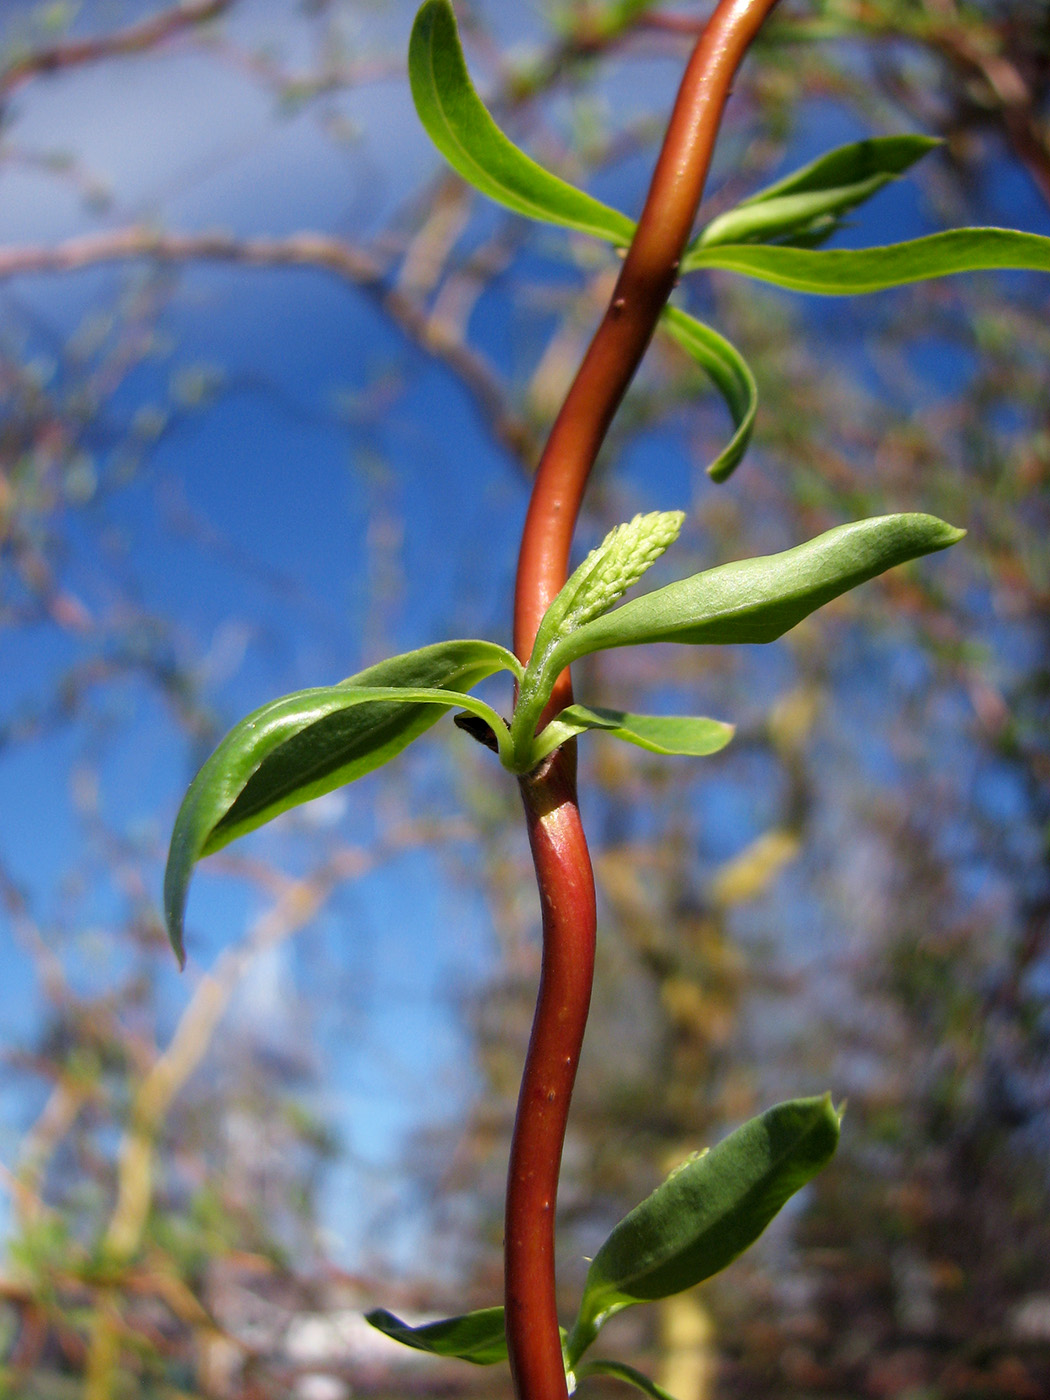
(646, 280)
(559, 848)
(566, 885)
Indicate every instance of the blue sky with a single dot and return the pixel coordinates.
(333, 475)
(272, 471)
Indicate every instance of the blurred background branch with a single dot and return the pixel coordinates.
(272, 385)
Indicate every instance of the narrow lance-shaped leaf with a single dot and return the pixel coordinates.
(845, 271)
(478, 1337)
(707, 1212)
(686, 735)
(458, 123)
(810, 202)
(757, 600)
(622, 1372)
(846, 165)
(304, 745)
(731, 375)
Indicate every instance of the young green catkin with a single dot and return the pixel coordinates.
(615, 566)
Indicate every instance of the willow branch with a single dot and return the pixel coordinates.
(559, 847)
(135, 38)
(646, 280)
(567, 903)
(308, 250)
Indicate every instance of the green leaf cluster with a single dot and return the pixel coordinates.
(773, 235)
(703, 1216)
(306, 744)
(752, 600)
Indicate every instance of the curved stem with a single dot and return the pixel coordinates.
(646, 280)
(559, 847)
(566, 886)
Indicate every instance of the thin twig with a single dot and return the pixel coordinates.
(136, 38)
(308, 250)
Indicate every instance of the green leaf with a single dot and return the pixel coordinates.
(622, 1372)
(842, 272)
(888, 156)
(707, 1212)
(477, 1336)
(306, 744)
(664, 734)
(757, 600)
(731, 375)
(811, 201)
(461, 128)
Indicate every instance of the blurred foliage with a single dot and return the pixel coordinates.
(856, 896)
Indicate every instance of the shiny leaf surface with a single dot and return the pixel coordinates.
(664, 734)
(843, 272)
(811, 201)
(307, 744)
(757, 600)
(478, 1337)
(707, 1212)
(460, 126)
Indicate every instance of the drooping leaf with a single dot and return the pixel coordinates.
(731, 375)
(307, 744)
(707, 1212)
(623, 1372)
(478, 1337)
(461, 128)
(811, 201)
(665, 734)
(845, 271)
(757, 600)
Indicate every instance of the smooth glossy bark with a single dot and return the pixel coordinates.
(559, 847)
(566, 887)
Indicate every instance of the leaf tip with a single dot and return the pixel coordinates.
(929, 532)
(429, 9)
(173, 923)
(175, 887)
(939, 534)
(722, 470)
